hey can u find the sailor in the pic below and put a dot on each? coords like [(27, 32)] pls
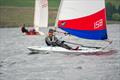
[(28, 32), (23, 29), (52, 40)]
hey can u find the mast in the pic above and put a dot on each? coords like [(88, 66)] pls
[(57, 18)]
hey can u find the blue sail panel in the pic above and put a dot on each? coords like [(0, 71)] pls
[(88, 34)]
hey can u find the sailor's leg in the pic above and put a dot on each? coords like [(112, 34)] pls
[(66, 46)]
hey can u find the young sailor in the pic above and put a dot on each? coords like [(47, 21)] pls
[(23, 29), (52, 40)]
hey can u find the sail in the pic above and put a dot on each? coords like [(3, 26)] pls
[(83, 18), (41, 14)]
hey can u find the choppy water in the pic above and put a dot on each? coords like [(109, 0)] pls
[(17, 64)]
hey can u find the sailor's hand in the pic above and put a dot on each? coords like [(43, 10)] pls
[(67, 33)]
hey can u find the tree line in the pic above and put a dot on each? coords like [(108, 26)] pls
[(112, 12)]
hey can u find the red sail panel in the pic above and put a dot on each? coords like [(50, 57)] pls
[(96, 21)]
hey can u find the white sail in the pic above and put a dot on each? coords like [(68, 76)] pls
[(71, 9), (83, 18), (40, 14)]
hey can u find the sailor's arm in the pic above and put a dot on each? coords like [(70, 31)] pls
[(47, 40)]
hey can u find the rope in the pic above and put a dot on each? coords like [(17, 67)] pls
[(110, 42), (82, 45), (66, 34)]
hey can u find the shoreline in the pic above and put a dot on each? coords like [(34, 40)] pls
[(113, 22), (16, 26)]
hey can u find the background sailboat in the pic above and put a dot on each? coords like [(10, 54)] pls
[(40, 15)]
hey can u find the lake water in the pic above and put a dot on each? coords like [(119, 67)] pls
[(16, 62)]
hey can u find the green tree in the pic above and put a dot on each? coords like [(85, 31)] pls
[(119, 9), (110, 10)]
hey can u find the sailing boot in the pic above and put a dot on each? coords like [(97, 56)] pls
[(77, 48)]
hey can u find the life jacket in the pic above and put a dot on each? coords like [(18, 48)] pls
[(51, 39)]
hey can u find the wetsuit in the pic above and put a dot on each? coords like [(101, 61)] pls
[(53, 41)]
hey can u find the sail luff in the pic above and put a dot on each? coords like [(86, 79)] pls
[(57, 18)]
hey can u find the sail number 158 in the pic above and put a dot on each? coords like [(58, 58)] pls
[(98, 24)]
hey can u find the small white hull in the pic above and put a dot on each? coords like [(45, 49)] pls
[(39, 49)]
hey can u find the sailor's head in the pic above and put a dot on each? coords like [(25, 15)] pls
[(51, 32)]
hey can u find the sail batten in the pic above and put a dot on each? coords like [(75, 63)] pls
[(86, 20)]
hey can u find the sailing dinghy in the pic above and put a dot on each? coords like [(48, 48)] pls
[(40, 15), (83, 19)]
